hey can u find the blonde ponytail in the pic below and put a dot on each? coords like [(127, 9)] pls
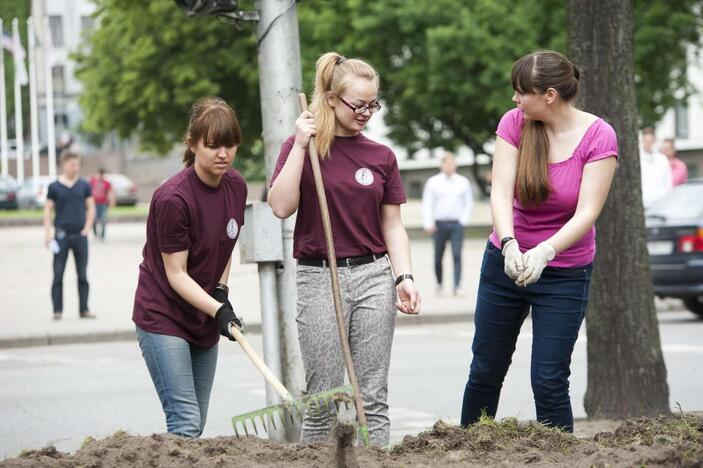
[(332, 72)]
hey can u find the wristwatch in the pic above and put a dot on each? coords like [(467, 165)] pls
[(223, 287), (403, 277), (504, 241)]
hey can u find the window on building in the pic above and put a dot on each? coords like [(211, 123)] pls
[(57, 75), (87, 23), (681, 119), (56, 28)]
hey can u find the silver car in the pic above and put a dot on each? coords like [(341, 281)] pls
[(32, 192), (123, 188)]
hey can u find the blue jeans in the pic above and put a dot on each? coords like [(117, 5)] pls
[(182, 374), (100, 220), (451, 231), (558, 301), (79, 245)]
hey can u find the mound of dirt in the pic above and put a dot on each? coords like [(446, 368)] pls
[(662, 441)]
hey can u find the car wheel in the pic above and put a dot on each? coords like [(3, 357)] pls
[(694, 304)]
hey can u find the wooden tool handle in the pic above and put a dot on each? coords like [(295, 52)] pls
[(260, 364), (332, 260)]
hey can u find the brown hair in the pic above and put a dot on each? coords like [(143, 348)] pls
[(68, 155), (332, 73), (536, 73), (213, 121)]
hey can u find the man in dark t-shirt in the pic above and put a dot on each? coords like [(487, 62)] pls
[(71, 198)]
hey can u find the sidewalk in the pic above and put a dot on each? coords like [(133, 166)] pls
[(113, 270)]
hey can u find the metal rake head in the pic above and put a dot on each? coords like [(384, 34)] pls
[(292, 412)]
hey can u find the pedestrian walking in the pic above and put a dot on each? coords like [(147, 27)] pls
[(69, 198), (655, 170), (447, 202), (364, 193), (552, 169), (181, 302), (679, 171), (104, 197)]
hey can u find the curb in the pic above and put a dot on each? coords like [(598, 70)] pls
[(130, 335)]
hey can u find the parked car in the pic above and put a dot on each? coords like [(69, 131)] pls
[(32, 193), (675, 244), (8, 193), (124, 189)]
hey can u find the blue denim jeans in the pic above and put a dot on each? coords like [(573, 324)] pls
[(182, 374), (558, 301), (100, 222), (451, 231)]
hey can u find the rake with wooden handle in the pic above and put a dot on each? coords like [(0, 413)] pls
[(291, 410), (332, 260)]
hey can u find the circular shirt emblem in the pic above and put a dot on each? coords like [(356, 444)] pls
[(232, 228), (364, 176)]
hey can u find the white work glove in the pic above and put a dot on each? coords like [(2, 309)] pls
[(513, 263), (535, 260)]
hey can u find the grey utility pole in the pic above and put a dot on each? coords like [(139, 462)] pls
[(280, 82)]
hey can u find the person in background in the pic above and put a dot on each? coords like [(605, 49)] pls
[(679, 171), (655, 169), (104, 197), (71, 198), (447, 201)]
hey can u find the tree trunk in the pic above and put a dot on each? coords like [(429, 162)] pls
[(626, 371)]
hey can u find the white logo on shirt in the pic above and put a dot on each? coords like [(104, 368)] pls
[(364, 176), (232, 228)]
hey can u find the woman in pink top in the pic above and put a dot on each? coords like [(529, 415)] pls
[(552, 169)]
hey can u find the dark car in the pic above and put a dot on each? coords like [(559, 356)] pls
[(675, 244), (8, 193)]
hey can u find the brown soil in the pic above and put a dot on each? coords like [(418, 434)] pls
[(663, 441)]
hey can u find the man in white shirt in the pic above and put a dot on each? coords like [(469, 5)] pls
[(656, 170), (447, 201)]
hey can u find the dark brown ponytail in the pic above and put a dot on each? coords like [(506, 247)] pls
[(536, 73)]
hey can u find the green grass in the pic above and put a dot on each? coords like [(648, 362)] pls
[(139, 209)]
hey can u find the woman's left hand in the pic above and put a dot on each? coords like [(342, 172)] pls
[(408, 297)]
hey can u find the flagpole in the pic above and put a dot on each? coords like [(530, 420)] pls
[(50, 130), (19, 131), (3, 110), (33, 118)]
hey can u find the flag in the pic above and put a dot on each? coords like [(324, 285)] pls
[(19, 56)]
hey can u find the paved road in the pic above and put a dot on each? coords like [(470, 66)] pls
[(61, 394)]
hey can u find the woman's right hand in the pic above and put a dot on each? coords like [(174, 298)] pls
[(304, 129), (514, 264)]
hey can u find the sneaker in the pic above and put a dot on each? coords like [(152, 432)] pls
[(57, 315), (458, 291), (438, 291), (88, 315)]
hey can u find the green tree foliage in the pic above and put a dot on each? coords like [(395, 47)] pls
[(9, 10), (445, 64), (147, 62)]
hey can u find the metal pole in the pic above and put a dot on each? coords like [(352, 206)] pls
[(279, 82), (19, 131), (33, 118), (49, 86), (270, 335), (3, 111)]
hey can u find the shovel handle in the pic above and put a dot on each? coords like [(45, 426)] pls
[(260, 364)]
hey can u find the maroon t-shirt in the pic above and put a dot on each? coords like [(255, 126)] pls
[(187, 214), (360, 176)]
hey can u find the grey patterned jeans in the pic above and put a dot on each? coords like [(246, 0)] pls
[(368, 298)]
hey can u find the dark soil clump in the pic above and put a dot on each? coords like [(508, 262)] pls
[(653, 442)]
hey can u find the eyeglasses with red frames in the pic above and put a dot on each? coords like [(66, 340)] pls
[(372, 108)]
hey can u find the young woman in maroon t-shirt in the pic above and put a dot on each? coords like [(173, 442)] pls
[(181, 300), (364, 193)]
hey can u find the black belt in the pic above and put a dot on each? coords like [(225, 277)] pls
[(342, 262)]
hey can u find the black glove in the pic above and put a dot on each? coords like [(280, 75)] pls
[(220, 295), (225, 316)]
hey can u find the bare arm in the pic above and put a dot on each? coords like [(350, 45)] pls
[(175, 266), (284, 195), (225, 274), (48, 213), (503, 187), (89, 216), (398, 244), (595, 184)]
